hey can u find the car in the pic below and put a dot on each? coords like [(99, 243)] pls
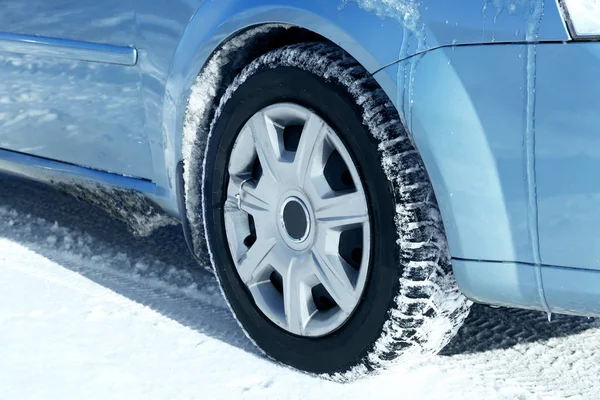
[(356, 172)]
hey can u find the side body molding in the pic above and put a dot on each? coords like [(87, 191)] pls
[(39, 46)]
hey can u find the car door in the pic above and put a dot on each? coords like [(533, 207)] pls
[(70, 86)]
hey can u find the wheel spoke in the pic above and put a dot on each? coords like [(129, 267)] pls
[(311, 140), (331, 273), (255, 260), (295, 298), (342, 211), (305, 286), (267, 144)]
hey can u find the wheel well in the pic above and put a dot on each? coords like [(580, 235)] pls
[(270, 38), (219, 71)]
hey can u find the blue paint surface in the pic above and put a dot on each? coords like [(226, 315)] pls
[(500, 102)]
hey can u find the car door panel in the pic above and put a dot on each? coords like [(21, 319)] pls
[(108, 21), (70, 89)]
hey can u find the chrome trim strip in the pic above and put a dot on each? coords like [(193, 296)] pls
[(40, 46), (46, 170)]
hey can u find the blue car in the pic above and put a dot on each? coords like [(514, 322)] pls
[(355, 171)]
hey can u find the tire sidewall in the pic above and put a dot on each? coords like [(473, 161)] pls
[(347, 346)]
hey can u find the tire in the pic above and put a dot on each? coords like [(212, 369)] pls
[(409, 302)]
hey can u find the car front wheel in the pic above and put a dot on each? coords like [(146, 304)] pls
[(321, 221)]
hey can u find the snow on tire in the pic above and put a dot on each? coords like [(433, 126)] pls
[(409, 302)]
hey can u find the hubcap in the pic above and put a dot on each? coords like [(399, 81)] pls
[(297, 220)]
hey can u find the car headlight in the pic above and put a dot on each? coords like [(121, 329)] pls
[(583, 17)]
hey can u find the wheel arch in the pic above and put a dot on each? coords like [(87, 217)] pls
[(216, 25), (218, 71), (216, 52)]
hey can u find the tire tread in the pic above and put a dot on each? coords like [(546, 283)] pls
[(427, 295)]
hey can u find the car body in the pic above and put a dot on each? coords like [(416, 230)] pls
[(500, 98)]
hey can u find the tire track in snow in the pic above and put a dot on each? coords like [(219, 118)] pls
[(499, 353), (157, 272)]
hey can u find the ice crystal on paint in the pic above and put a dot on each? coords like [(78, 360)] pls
[(405, 11), (408, 13)]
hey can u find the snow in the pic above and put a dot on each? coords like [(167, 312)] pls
[(585, 16), (414, 41), (198, 116), (88, 311), (141, 215), (105, 315), (405, 11)]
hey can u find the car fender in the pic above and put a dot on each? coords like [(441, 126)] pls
[(216, 22)]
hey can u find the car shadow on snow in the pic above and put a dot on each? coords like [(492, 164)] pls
[(156, 271), (172, 283)]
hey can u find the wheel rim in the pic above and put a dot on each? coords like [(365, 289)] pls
[(297, 220)]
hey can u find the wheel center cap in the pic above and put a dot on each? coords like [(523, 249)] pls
[(295, 218)]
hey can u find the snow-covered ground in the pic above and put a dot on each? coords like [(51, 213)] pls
[(89, 312)]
